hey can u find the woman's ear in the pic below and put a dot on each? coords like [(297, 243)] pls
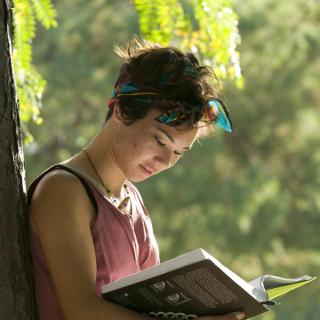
[(117, 114)]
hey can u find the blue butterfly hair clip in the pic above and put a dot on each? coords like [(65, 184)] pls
[(218, 112)]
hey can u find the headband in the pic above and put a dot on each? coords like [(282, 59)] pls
[(214, 110)]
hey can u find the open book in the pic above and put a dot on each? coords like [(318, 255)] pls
[(196, 284)]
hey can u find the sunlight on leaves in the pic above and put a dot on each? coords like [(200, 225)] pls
[(207, 28), (30, 84)]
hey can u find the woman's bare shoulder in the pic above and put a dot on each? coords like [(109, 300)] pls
[(55, 183), (59, 195)]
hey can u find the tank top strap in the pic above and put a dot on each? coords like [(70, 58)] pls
[(84, 182)]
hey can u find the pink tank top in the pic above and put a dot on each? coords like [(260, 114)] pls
[(123, 245)]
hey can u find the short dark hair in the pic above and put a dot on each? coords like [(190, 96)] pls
[(178, 78)]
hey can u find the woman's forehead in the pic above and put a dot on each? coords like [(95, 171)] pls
[(174, 134)]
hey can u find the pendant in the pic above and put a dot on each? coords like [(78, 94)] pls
[(124, 203)]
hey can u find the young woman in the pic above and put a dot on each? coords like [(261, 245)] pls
[(88, 224)]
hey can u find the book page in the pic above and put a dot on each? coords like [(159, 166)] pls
[(275, 286), (279, 291)]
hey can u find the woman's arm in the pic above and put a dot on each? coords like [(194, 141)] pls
[(60, 214)]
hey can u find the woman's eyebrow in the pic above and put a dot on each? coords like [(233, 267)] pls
[(170, 137), (167, 134)]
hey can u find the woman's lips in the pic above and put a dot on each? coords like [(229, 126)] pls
[(147, 170)]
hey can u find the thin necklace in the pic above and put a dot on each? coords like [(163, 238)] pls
[(122, 206)]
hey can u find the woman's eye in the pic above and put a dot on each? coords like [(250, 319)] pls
[(159, 142)]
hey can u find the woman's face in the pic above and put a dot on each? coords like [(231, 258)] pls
[(148, 147)]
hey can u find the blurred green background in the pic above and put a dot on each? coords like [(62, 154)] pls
[(252, 199)]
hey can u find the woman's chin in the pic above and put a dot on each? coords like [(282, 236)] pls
[(137, 179)]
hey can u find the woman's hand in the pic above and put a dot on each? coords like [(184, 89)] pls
[(229, 316)]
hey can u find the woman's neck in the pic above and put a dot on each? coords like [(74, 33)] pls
[(102, 164)]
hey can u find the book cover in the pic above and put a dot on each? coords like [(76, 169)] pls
[(195, 284)]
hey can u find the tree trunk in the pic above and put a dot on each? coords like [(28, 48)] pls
[(16, 286)]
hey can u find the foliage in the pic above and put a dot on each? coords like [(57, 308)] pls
[(208, 28), (80, 67), (211, 32), (30, 84)]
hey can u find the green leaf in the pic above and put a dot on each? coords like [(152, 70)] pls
[(45, 12)]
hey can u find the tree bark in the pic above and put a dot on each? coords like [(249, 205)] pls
[(16, 285)]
